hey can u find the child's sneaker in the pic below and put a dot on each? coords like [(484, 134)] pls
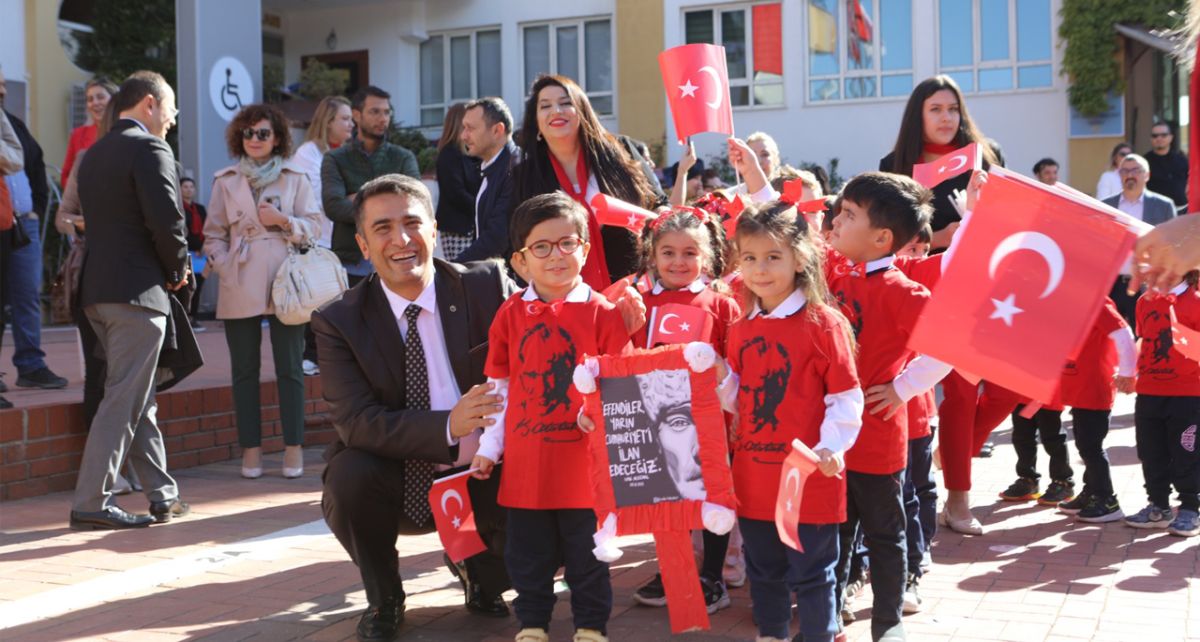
[(912, 598), (926, 561), (1151, 517), (1078, 503), (1186, 523), (589, 635), (652, 593), (1022, 490), (1058, 491), (1100, 510), (715, 595)]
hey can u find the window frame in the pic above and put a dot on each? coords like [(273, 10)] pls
[(978, 64), (845, 73), (748, 81), (447, 70), (579, 23)]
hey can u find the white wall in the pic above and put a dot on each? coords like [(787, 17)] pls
[(1028, 125), (12, 39), (392, 31)]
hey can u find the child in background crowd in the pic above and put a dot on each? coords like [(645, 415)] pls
[(1167, 411), (683, 252)]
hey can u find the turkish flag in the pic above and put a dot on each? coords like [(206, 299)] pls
[(677, 323), (697, 85), (1030, 272), (957, 162), (455, 519), (1185, 339), (800, 463), (618, 213)]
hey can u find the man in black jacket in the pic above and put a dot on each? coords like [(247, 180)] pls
[(137, 250), (402, 356), (487, 135)]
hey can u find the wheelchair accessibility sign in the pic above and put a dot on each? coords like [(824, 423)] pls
[(230, 87)]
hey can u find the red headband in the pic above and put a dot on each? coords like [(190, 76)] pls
[(699, 214)]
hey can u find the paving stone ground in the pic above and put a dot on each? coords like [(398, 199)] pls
[(255, 561)]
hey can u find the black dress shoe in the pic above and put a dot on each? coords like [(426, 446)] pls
[(459, 571), (5, 404), (41, 378), (380, 623), (481, 604), (165, 510), (111, 518)]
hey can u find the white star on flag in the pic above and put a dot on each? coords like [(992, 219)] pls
[(632, 222), (688, 90), (684, 327), (1006, 309), (788, 505), (457, 522)]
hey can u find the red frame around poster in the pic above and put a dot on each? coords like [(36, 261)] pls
[(684, 514)]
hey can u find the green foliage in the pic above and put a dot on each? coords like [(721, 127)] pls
[(318, 80), (1090, 59), (427, 160), (273, 81), (409, 138), (129, 37)]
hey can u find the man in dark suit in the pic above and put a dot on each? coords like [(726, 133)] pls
[(137, 250), (487, 135), (1140, 203), (402, 356)]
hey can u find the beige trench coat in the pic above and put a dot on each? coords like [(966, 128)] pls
[(244, 253)]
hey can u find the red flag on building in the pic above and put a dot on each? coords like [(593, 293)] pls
[(800, 463), (697, 85), (455, 519), (618, 213), (957, 162), (1025, 284), (677, 323)]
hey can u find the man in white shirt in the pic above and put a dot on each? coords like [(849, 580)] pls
[(1144, 205), (487, 135)]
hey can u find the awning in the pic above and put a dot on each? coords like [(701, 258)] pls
[(1162, 40)]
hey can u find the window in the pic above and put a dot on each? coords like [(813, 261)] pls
[(1013, 52), (581, 50), (859, 49), (458, 67), (753, 41)]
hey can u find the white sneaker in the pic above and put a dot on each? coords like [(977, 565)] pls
[(912, 598), (310, 368)]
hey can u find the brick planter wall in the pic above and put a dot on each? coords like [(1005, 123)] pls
[(42, 446)]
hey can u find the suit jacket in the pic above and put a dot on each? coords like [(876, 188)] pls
[(458, 181), (495, 206), (137, 240), (1156, 208), (361, 354)]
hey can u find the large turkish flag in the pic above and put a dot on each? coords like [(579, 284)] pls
[(1025, 284), (697, 85)]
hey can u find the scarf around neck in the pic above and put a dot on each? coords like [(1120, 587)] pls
[(260, 175)]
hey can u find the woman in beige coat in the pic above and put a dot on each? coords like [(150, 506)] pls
[(260, 209)]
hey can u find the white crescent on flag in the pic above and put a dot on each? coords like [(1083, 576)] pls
[(662, 326), (448, 495), (716, 78), (787, 486), (960, 159), (1037, 242)]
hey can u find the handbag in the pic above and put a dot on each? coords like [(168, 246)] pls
[(64, 292), (310, 277)]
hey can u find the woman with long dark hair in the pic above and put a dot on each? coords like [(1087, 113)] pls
[(458, 180), (936, 123), (564, 147)]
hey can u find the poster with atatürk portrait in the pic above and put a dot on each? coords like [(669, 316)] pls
[(650, 434)]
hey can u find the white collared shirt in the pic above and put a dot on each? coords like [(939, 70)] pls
[(880, 264), (578, 294), (1136, 209), (483, 186), (1180, 289), (791, 305), (695, 287), (443, 388)]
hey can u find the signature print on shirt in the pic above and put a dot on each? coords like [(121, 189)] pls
[(548, 358)]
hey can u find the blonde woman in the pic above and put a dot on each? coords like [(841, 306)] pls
[(331, 126)]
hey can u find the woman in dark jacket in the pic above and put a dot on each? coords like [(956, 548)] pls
[(458, 179)]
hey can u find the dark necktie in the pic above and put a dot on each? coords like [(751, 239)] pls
[(418, 474)]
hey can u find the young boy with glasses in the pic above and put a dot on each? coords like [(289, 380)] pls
[(537, 338)]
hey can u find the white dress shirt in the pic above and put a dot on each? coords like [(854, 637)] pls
[(1135, 209), (443, 388), (483, 186)]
